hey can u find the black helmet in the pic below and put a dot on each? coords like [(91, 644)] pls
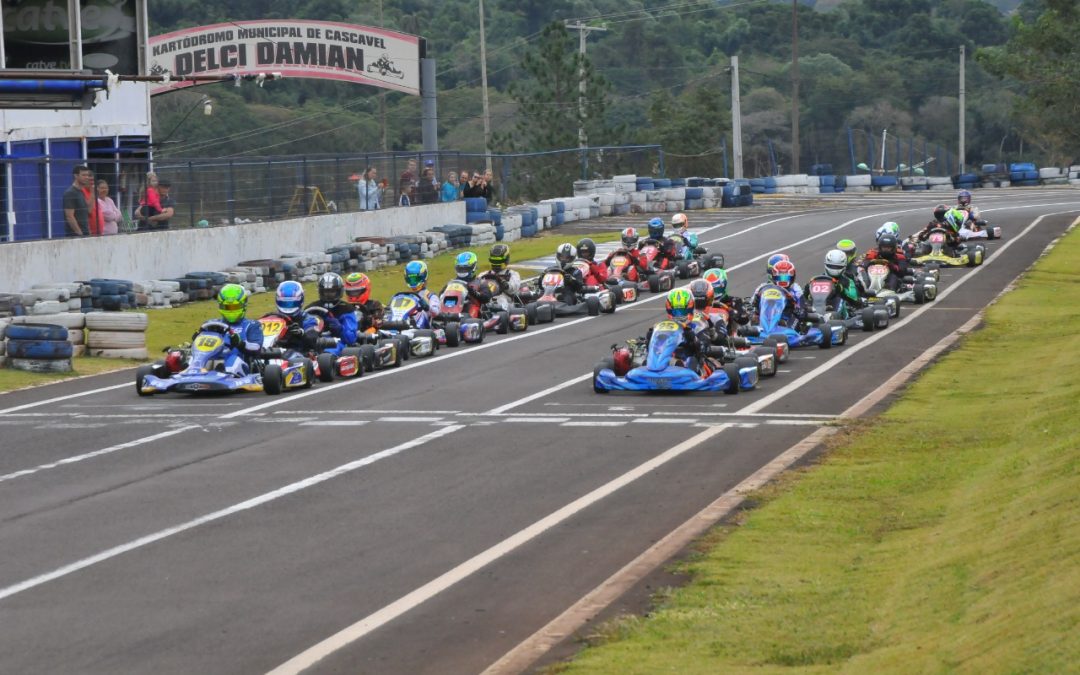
[(499, 257), (331, 287), (886, 246), (939, 212), (586, 249), (702, 292)]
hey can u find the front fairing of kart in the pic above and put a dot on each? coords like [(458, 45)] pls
[(670, 378), (202, 382)]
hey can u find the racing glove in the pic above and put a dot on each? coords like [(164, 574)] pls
[(234, 340), (333, 325)]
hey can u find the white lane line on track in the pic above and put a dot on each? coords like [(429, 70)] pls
[(223, 513), (417, 597), (331, 423), (592, 424), (62, 398), (96, 453)]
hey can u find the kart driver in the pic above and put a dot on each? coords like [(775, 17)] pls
[(680, 309), (668, 249), (973, 227), (300, 335), (586, 250), (735, 307), (888, 250), (416, 276), (358, 294), (630, 249), (244, 336), (341, 321), (499, 259), (573, 283), (783, 276), (836, 263)]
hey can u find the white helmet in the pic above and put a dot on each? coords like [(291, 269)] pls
[(679, 221), (835, 262), (888, 228), (565, 254)]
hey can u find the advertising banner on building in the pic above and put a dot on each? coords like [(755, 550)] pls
[(36, 35), (294, 48)]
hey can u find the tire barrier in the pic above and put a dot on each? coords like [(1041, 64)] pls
[(120, 335), (38, 347)]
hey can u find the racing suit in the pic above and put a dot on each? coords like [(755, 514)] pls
[(245, 342), (509, 280), (693, 349), (597, 271), (844, 287), (368, 315), (341, 321), (737, 314), (636, 260)]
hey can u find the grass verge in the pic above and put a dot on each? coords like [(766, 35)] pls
[(942, 536), (173, 326)]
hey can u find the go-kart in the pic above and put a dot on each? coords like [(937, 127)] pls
[(660, 365), (623, 273), (769, 356), (936, 251), (689, 250), (843, 314), (404, 319), (553, 293), (515, 300), (979, 224), (879, 279), (650, 255), (770, 329), (618, 293), (198, 368), (462, 319), (330, 355)]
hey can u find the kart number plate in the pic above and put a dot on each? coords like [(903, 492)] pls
[(619, 261), (666, 326), (207, 343), (817, 287), (772, 294), (403, 303), (937, 238), (878, 270), (456, 287), (272, 327), (552, 280)]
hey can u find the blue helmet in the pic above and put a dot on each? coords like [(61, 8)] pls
[(289, 298), (465, 266), (416, 275), (656, 228), (773, 259)]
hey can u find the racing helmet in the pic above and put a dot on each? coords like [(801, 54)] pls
[(679, 221), (784, 274), (717, 278), (703, 293), (773, 259), (499, 257), (963, 198), (849, 249), (835, 263), (939, 212), (886, 246), (630, 237), (656, 229), (331, 287), (955, 218), (465, 266), (357, 288), (679, 305), (232, 302), (416, 275), (586, 249), (289, 298), (565, 254), (888, 228)]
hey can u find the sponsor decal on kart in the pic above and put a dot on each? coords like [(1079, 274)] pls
[(772, 294), (207, 343)]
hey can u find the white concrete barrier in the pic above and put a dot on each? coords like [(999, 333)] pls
[(174, 253)]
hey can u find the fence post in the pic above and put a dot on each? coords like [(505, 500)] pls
[(723, 153), (304, 184), (395, 184), (270, 187), (191, 202), (232, 194), (337, 180), (660, 153)]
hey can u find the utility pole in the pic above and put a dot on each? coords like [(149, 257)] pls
[(795, 86), (583, 34), (963, 95), (484, 89), (382, 95), (736, 120)]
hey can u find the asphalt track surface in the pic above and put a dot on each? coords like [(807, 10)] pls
[(431, 517)]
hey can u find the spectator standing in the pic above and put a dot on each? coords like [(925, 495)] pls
[(450, 188), (463, 183), (407, 184), (110, 213), (428, 191), (369, 190), (168, 207), (79, 203), (488, 187), (473, 190)]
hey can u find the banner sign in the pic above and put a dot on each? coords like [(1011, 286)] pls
[(36, 35), (294, 48)]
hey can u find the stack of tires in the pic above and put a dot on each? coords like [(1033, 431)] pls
[(968, 181), (644, 183), (38, 347), (111, 295), (694, 198), (116, 336), (476, 210), (828, 183), (1024, 174)]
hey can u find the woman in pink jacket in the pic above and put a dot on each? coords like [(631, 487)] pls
[(110, 214)]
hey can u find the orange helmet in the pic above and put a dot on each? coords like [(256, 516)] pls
[(357, 288)]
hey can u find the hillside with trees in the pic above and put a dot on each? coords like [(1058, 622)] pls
[(659, 75)]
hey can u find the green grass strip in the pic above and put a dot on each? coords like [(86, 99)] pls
[(942, 536)]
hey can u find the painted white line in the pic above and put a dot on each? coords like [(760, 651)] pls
[(796, 423), (665, 420), (369, 411), (539, 394), (63, 398), (552, 420), (97, 453), (334, 423), (742, 414), (592, 424), (223, 513), (392, 418), (352, 633)]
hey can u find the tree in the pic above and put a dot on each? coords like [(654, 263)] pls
[(1044, 55)]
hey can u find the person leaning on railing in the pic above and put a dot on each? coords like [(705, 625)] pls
[(368, 187)]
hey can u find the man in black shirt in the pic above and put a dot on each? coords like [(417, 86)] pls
[(168, 207), (77, 202)]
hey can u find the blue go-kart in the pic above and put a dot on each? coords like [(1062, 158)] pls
[(652, 367), (770, 330)]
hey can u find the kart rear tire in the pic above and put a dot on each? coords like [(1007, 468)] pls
[(867, 317), (404, 347), (309, 373), (326, 367), (367, 357), (531, 315), (732, 371), (683, 269), (453, 333), (607, 363), (615, 297), (140, 375), (715, 260), (920, 294), (273, 379), (545, 313), (592, 306), (502, 327), (826, 336), (654, 283)]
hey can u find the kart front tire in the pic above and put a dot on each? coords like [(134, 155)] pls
[(453, 334), (654, 283), (273, 379), (592, 306), (732, 371), (826, 336), (607, 363), (140, 375), (309, 373), (367, 357), (531, 314), (502, 327), (326, 367)]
